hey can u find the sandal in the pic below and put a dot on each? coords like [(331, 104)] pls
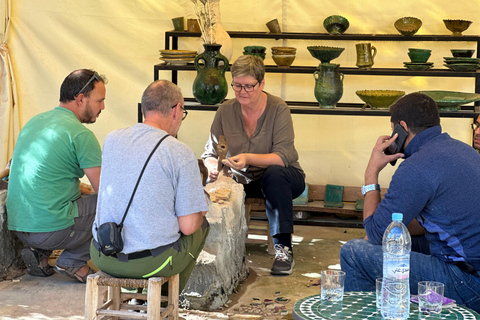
[(33, 259), (72, 272)]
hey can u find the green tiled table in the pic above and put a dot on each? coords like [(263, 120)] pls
[(362, 305)]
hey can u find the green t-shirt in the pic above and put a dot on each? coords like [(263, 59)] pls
[(51, 152)]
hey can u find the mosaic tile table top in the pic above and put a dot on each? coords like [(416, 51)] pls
[(362, 305)]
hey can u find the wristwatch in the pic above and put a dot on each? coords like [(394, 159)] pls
[(370, 187)]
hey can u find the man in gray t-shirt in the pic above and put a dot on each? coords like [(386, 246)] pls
[(165, 227)]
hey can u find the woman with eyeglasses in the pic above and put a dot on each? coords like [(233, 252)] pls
[(258, 130)]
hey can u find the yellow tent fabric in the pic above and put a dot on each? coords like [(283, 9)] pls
[(9, 109)]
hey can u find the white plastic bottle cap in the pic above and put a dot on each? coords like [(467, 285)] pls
[(397, 216)]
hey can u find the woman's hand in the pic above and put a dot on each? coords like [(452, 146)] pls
[(237, 162), (211, 164)]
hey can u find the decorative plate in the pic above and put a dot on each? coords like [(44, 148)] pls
[(451, 100), (172, 52), (462, 66), (178, 61)]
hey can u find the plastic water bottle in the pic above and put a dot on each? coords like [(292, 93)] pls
[(396, 246)]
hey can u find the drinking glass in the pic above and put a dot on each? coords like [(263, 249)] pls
[(430, 296), (333, 283)]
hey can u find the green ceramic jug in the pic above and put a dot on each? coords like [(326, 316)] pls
[(210, 86), (328, 85)]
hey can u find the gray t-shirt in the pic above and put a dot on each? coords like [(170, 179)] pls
[(170, 186), (274, 134)]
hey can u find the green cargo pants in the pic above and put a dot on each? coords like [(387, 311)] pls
[(172, 261)]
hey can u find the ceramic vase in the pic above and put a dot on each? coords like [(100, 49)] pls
[(328, 85), (210, 85), (215, 33)]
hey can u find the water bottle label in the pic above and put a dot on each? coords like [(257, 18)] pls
[(400, 272)]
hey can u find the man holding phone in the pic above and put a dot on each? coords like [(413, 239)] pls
[(435, 188)]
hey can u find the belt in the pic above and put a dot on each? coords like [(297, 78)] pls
[(142, 254)]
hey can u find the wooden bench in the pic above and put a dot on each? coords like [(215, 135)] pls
[(346, 216)]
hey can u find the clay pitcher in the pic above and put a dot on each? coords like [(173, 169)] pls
[(328, 85), (210, 86), (365, 54)]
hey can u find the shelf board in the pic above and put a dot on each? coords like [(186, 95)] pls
[(326, 36), (346, 109), (345, 70)]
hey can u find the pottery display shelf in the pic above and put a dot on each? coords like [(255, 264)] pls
[(358, 305), (311, 107)]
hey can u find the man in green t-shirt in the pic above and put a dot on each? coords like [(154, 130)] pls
[(45, 206)]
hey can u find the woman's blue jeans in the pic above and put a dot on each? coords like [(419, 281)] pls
[(363, 263)]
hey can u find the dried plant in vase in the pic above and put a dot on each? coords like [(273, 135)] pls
[(207, 13)]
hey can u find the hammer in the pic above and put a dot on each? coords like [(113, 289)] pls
[(222, 149)]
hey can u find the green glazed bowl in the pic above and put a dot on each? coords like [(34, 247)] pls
[(408, 26), (261, 55), (457, 26), (380, 99), (255, 49), (325, 54), (336, 24), (419, 56), (451, 100), (462, 53)]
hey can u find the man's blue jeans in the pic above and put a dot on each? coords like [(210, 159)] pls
[(363, 263)]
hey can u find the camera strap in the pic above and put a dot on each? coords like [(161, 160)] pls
[(138, 181)]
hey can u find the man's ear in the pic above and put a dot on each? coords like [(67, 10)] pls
[(404, 125), (80, 99)]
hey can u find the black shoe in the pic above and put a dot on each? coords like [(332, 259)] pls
[(283, 264), (33, 260)]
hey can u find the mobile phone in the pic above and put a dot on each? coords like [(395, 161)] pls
[(397, 145)]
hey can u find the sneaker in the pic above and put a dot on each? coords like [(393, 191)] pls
[(283, 263), (36, 262)]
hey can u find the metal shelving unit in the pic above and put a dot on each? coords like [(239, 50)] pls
[(308, 107)]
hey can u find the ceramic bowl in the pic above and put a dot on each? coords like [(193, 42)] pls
[(284, 60), (325, 54), (462, 53), (261, 55), (418, 66), (408, 26), (457, 26), (419, 50), (451, 100), (462, 66), (336, 24), (255, 49), (380, 99), (419, 56), (284, 50)]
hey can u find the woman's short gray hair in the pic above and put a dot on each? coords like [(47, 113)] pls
[(248, 65)]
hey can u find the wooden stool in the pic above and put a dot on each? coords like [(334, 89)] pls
[(258, 227), (116, 300)]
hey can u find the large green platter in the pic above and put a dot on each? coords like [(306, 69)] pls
[(451, 100)]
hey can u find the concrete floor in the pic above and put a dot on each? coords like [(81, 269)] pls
[(315, 249)]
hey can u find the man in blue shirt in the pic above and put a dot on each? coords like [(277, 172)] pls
[(437, 189)]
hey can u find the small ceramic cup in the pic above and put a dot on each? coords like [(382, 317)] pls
[(274, 26), (178, 24), (193, 26)]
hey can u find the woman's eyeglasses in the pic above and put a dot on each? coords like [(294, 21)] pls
[(237, 87)]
